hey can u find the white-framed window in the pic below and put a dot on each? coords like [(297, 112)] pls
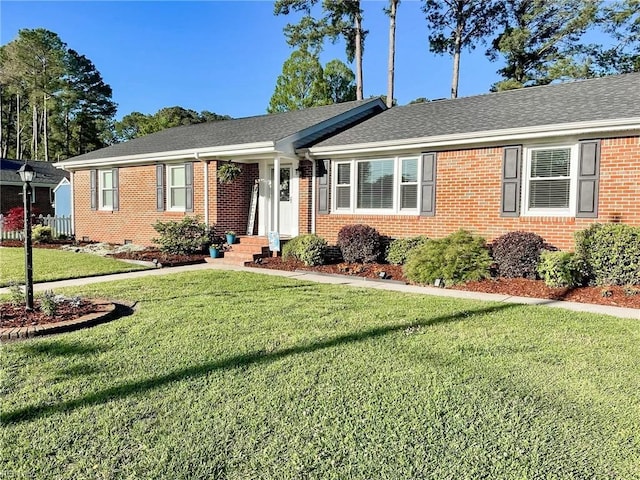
[(409, 183), (106, 186), (376, 186), (177, 187), (550, 180)]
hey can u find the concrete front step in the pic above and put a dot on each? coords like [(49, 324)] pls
[(245, 249)]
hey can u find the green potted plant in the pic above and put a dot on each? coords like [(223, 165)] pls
[(216, 243), (231, 236), (228, 172)]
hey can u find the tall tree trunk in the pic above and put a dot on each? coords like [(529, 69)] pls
[(45, 128), (4, 140), (393, 6), (358, 55), (18, 129), (34, 133), (457, 48)]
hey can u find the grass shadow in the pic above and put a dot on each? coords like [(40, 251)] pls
[(61, 348), (237, 361)]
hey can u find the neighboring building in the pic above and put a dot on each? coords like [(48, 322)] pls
[(550, 159), (47, 178), (62, 198)]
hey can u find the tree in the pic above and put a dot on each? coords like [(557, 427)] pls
[(339, 79), (137, 124), (621, 20), (458, 24), (300, 85), (33, 65), (63, 92), (342, 18), (392, 12), (540, 41)]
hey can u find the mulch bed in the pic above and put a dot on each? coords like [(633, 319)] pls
[(165, 259), (520, 287), (53, 244), (17, 316)]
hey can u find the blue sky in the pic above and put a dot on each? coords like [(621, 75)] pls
[(225, 56)]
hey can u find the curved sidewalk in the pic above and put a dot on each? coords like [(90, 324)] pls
[(622, 312)]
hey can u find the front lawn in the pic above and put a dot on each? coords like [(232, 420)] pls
[(238, 375), (51, 264)]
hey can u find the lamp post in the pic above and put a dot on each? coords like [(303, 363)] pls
[(27, 174)]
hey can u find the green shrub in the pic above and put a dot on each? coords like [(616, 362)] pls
[(400, 247), (359, 243), (184, 237), (610, 253), (41, 234), (48, 304), (517, 254), (309, 249), (559, 269), (460, 257)]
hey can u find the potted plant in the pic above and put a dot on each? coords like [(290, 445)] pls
[(231, 236), (216, 249), (228, 172)]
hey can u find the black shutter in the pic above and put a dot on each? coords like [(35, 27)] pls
[(428, 185), (188, 173), (323, 185), (116, 190), (93, 186), (511, 174), (160, 188), (588, 178)]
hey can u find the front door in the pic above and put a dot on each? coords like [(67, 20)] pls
[(288, 214)]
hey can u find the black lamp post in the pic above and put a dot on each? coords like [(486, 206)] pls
[(27, 174)]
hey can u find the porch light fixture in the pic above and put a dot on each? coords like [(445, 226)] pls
[(27, 175)]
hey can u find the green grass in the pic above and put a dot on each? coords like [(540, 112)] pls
[(50, 264), (237, 375)]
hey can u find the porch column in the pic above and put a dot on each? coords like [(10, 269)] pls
[(276, 195)]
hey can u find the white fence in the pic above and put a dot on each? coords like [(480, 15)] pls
[(60, 226)]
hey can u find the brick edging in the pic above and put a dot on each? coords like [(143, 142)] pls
[(105, 310)]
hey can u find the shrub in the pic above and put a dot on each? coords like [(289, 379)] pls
[(359, 243), (559, 269), (14, 219), (309, 249), (460, 257), (184, 237), (611, 253), (48, 304), (399, 248), (517, 254), (41, 234)]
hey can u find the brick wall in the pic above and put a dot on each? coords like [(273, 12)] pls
[(468, 196), (228, 204)]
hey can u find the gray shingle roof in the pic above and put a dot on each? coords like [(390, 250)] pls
[(612, 97), (45, 171), (240, 131)]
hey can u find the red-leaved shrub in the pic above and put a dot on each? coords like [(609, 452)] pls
[(359, 243), (14, 219)]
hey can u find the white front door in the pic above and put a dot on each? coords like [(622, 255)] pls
[(288, 205)]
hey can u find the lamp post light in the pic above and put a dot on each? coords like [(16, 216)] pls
[(27, 174)]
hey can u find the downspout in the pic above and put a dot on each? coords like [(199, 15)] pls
[(276, 194)]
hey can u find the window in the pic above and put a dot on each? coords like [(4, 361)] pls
[(343, 186), (177, 187), (107, 189), (550, 181), (409, 183), (386, 185)]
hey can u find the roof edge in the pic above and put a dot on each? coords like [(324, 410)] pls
[(486, 136)]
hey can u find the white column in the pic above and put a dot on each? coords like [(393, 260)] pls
[(206, 191), (275, 194)]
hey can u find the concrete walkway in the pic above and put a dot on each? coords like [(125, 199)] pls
[(350, 281)]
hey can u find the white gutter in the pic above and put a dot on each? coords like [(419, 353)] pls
[(258, 148), (488, 136)]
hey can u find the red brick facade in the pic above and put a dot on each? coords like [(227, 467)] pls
[(468, 196), (228, 204)]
